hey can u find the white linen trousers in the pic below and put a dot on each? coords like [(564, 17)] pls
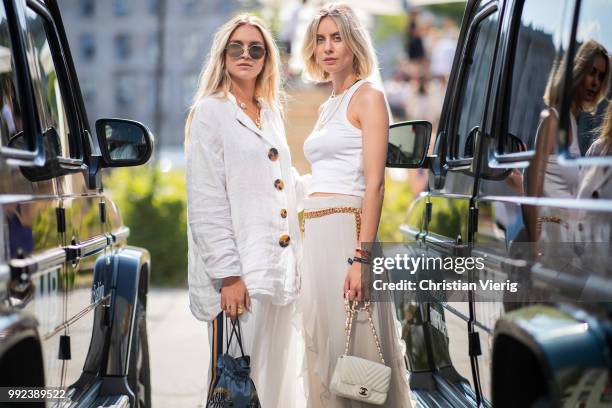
[(271, 337), (328, 242)]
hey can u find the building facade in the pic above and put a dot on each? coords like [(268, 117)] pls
[(115, 45)]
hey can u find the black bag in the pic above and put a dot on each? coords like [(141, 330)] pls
[(230, 383)]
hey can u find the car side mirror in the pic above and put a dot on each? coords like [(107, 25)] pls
[(408, 144), (123, 142)]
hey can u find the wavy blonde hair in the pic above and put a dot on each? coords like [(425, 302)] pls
[(351, 31), (604, 141), (215, 78), (583, 63)]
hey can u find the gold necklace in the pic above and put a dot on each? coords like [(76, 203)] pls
[(244, 107), (325, 115), (328, 113)]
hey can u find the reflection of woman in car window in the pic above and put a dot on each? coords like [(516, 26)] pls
[(602, 146), (596, 183), (590, 80), (546, 177)]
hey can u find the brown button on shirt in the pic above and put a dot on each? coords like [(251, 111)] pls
[(273, 154), (279, 184), (284, 240)]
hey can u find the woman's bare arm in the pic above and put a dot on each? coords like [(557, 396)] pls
[(368, 111)]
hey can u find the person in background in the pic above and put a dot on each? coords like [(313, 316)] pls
[(289, 23), (415, 50), (443, 53)]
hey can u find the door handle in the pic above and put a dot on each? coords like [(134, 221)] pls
[(411, 233), (22, 269), (121, 235), (87, 247), (452, 247)]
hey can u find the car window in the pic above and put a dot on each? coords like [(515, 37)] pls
[(477, 62), (593, 45), (10, 114), (49, 101), (538, 49)]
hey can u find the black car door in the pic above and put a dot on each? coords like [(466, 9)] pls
[(450, 203), (83, 236)]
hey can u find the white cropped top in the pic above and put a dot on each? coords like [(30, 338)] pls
[(335, 149)]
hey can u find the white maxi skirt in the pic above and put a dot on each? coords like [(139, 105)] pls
[(271, 337), (328, 242)]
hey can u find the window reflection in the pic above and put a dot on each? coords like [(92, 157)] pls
[(474, 92), (46, 85), (123, 46), (10, 113), (538, 46), (594, 25)]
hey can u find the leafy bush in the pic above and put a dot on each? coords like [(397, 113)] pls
[(395, 210), (153, 206)]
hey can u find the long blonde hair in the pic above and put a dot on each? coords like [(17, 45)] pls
[(215, 78), (605, 133), (351, 31), (583, 63)]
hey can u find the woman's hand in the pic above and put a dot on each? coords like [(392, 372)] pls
[(352, 283), (234, 296)]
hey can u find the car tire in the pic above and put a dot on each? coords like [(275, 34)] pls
[(139, 376)]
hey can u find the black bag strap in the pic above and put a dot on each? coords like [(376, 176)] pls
[(235, 329), (216, 346)]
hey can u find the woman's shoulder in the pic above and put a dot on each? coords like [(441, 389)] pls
[(368, 99), (208, 107), (369, 93), (597, 148)]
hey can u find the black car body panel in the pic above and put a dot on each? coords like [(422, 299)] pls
[(68, 279), (493, 192)]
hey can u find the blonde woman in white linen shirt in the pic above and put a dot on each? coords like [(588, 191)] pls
[(347, 150), (242, 198)]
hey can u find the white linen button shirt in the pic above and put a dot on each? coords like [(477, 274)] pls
[(234, 209)]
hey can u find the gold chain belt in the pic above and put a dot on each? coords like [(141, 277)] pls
[(553, 219), (334, 210)]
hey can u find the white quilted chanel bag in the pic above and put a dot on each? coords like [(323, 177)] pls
[(357, 378)]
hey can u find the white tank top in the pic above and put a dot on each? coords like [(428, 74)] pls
[(335, 149)]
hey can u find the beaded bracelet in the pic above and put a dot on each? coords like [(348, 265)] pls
[(364, 261), (364, 253)]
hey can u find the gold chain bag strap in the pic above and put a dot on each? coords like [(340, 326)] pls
[(357, 378)]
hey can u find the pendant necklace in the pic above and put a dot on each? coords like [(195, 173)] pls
[(328, 112), (243, 106)]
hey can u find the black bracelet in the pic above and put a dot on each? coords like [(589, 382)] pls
[(364, 261)]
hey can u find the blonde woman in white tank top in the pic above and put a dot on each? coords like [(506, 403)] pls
[(347, 150)]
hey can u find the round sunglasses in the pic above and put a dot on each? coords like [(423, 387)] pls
[(235, 50)]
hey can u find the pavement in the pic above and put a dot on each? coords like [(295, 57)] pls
[(178, 349)]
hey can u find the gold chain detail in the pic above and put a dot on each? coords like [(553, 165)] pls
[(553, 219), (334, 210), (351, 311)]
